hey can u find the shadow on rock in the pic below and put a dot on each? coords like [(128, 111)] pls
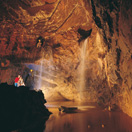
[(22, 109)]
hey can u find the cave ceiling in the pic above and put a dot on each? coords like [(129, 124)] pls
[(58, 22)]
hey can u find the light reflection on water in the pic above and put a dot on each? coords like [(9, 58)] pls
[(89, 118)]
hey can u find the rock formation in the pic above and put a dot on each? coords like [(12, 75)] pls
[(21, 108), (63, 27)]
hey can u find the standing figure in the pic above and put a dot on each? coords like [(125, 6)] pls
[(39, 44), (17, 80), (21, 82)]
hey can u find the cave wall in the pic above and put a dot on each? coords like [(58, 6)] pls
[(126, 55), (57, 22), (113, 19), (64, 26)]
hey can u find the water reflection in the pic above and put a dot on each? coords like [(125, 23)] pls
[(87, 119)]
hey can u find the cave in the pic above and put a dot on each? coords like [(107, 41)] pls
[(72, 50)]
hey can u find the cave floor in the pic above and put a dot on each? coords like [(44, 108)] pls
[(88, 118)]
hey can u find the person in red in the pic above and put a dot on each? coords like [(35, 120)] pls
[(16, 80)]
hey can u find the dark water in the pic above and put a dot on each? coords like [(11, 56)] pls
[(89, 118)]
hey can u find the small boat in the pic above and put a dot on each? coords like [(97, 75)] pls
[(68, 109)]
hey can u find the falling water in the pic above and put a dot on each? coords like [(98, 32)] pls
[(45, 69), (40, 75), (82, 67)]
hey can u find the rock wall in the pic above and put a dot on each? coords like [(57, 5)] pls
[(63, 27), (22, 109), (113, 19)]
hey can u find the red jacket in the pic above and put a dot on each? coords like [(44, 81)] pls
[(16, 79)]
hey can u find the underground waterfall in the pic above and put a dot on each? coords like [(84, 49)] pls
[(82, 84)]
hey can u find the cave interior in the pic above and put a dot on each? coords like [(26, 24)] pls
[(72, 50)]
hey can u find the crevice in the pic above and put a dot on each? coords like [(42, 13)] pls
[(117, 28), (54, 10), (118, 51), (77, 65), (98, 22), (55, 46), (9, 8), (26, 3), (84, 34), (106, 41), (119, 77), (67, 18), (96, 18), (107, 18), (15, 47), (93, 8)]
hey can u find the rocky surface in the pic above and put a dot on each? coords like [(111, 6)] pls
[(114, 24), (63, 28), (21, 108)]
